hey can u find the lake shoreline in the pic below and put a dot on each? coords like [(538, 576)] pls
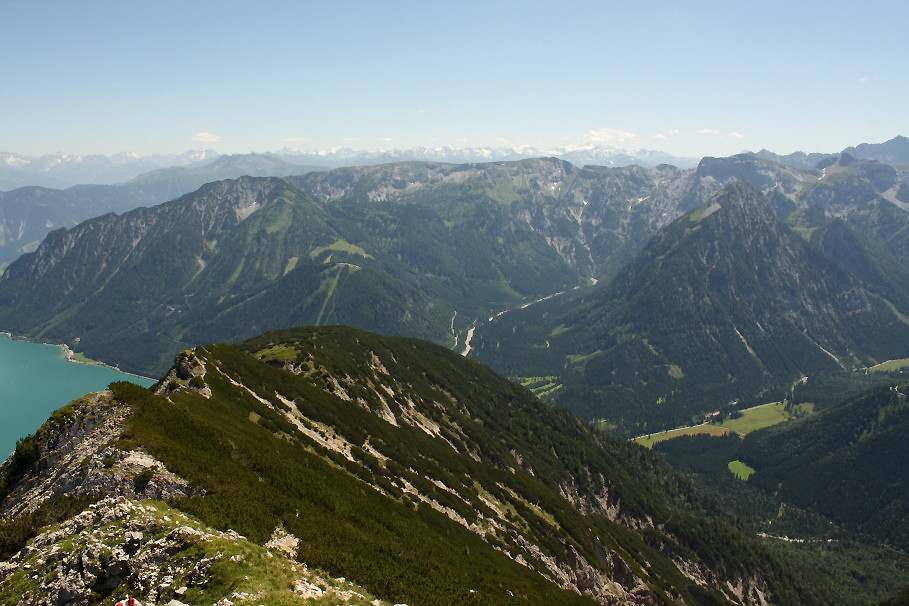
[(36, 379), (70, 355)]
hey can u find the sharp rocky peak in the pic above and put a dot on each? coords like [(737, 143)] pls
[(738, 208)]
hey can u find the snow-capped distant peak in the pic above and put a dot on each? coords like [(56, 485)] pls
[(14, 161), (579, 155)]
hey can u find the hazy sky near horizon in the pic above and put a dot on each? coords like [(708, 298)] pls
[(689, 78)]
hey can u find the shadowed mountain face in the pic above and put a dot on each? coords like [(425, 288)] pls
[(28, 214), (894, 150), (725, 303), (395, 463)]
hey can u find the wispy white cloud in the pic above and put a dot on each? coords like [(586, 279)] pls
[(660, 136), (708, 131), (386, 139), (421, 111), (675, 131), (294, 139), (206, 138), (736, 135), (609, 135), (864, 79)]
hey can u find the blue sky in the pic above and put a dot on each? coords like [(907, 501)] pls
[(690, 78)]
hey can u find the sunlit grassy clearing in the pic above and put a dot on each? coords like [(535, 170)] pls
[(890, 365), (750, 420), (81, 357), (340, 246), (652, 439), (758, 417), (740, 470)]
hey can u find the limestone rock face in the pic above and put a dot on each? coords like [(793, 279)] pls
[(81, 454), (149, 551)]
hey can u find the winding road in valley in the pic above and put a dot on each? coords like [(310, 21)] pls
[(470, 332)]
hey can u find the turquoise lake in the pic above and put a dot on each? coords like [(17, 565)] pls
[(36, 380)]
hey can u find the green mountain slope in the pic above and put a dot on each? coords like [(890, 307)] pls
[(870, 261), (829, 493), (237, 258), (725, 304), (848, 463), (398, 464), (595, 217)]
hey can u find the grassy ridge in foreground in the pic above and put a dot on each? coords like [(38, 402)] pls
[(257, 482), (354, 519)]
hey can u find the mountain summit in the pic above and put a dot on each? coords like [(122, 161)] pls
[(894, 150)]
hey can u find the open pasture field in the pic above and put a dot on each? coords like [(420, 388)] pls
[(890, 365), (751, 419), (758, 417), (651, 439), (740, 470)]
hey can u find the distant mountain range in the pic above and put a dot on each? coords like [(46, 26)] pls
[(32, 208), (63, 170), (580, 156), (35, 203), (444, 251), (894, 151)]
